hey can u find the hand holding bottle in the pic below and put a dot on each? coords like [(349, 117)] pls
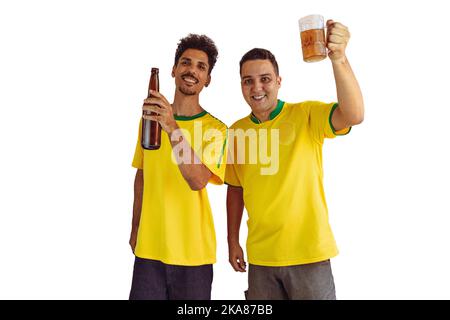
[(164, 113)]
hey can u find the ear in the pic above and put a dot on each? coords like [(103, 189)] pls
[(208, 81), (279, 81), (173, 72)]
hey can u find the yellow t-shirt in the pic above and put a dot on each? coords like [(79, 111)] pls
[(176, 225), (282, 184)]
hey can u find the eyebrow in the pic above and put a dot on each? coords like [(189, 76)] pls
[(261, 75)]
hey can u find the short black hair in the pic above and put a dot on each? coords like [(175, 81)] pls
[(199, 42), (259, 54)]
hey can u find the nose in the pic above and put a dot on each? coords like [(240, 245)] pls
[(257, 86), (191, 70)]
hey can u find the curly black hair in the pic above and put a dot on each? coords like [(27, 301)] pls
[(199, 42), (259, 54)]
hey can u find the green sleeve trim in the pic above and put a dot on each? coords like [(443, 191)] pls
[(331, 123), (223, 150)]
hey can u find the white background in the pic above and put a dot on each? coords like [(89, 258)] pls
[(73, 75)]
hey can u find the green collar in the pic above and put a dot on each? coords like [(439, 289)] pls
[(272, 115), (187, 118)]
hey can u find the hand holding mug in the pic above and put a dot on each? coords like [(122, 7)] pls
[(337, 40)]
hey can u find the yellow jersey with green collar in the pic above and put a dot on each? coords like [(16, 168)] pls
[(282, 180), (176, 224)]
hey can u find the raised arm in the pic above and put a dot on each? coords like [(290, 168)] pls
[(351, 105)]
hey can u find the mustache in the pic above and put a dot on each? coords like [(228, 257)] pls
[(188, 74)]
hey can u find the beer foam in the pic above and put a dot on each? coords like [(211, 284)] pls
[(313, 21)]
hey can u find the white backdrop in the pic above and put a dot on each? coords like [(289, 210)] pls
[(73, 75)]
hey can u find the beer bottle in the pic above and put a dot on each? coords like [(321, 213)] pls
[(151, 130)]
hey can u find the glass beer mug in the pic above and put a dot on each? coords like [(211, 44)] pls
[(312, 34)]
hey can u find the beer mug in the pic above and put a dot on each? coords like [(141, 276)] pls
[(312, 34)]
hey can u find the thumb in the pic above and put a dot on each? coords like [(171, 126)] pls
[(242, 263)]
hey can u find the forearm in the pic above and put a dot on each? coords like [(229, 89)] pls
[(137, 204), (192, 169), (349, 94), (235, 208)]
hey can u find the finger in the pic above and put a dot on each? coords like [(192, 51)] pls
[(333, 47), (157, 95), (242, 263), (239, 268), (329, 23), (336, 39), (337, 28), (339, 25), (234, 264), (338, 32), (153, 118), (162, 103), (160, 96), (153, 101), (153, 108)]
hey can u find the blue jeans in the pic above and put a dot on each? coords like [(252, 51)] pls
[(154, 280)]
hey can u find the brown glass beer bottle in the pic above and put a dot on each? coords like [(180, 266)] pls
[(151, 130)]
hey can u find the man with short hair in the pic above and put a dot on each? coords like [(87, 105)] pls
[(172, 234), (289, 240)]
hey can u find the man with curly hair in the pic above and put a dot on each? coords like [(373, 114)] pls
[(172, 234)]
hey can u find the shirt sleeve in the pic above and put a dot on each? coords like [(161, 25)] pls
[(320, 120), (231, 177), (214, 153), (138, 159)]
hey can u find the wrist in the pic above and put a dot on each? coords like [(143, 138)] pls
[(233, 240), (172, 128), (339, 61)]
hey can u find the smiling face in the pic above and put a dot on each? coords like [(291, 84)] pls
[(260, 85), (191, 72)]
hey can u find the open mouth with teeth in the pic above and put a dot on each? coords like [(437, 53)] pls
[(189, 79), (259, 97)]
